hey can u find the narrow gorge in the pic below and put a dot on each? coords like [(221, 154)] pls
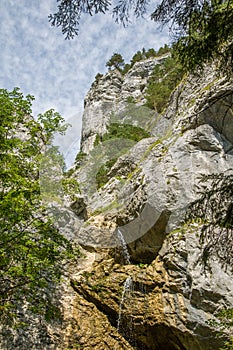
[(150, 277)]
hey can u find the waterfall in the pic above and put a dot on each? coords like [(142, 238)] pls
[(128, 287), (127, 290), (124, 246)]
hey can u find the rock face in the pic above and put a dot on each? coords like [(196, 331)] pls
[(109, 94), (173, 299), (170, 301), (142, 284)]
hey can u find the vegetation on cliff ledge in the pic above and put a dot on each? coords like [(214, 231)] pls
[(202, 30), (163, 80)]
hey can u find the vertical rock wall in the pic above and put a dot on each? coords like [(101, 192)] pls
[(109, 94)]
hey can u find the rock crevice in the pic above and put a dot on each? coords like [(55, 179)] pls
[(174, 301)]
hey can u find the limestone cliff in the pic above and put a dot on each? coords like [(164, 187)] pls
[(141, 283), (109, 94), (173, 302)]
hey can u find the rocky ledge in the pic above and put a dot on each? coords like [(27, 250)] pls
[(173, 301)]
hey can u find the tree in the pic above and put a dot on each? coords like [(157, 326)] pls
[(98, 77), (151, 53), (162, 82), (137, 57), (31, 248), (70, 11), (202, 30), (163, 50), (116, 61)]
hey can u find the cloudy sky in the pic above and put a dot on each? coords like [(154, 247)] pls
[(36, 57)]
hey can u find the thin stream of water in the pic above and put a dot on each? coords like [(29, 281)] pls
[(124, 246), (125, 295)]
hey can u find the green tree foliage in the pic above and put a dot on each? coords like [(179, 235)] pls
[(98, 77), (142, 55), (228, 345), (224, 326), (31, 249), (102, 175), (122, 131), (138, 56), (52, 122), (150, 53), (80, 157), (126, 68), (163, 50), (162, 82), (115, 62), (202, 30)]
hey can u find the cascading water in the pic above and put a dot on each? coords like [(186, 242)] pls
[(127, 290), (128, 287), (124, 246)]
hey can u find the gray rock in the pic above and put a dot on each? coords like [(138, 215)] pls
[(148, 193), (109, 95)]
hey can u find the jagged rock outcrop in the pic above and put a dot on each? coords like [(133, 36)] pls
[(171, 301), (109, 94), (149, 190), (163, 171)]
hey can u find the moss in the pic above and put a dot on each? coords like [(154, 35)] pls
[(142, 266), (87, 274), (97, 287), (136, 171), (119, 178), (191, 102), (181, 231), (97, 140), (149, 149), (102, 175), (112, 205), (130, 99), (163, 151), (191, 226), (79, 159), (156, 143), (159, 142), (209, 86)]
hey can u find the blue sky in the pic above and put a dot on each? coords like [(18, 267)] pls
[(36, 57)]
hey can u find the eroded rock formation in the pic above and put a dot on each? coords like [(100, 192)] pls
[(149, 190), (174, 301)]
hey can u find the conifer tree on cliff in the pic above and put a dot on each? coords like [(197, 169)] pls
[(116, 61), (201, 30)]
